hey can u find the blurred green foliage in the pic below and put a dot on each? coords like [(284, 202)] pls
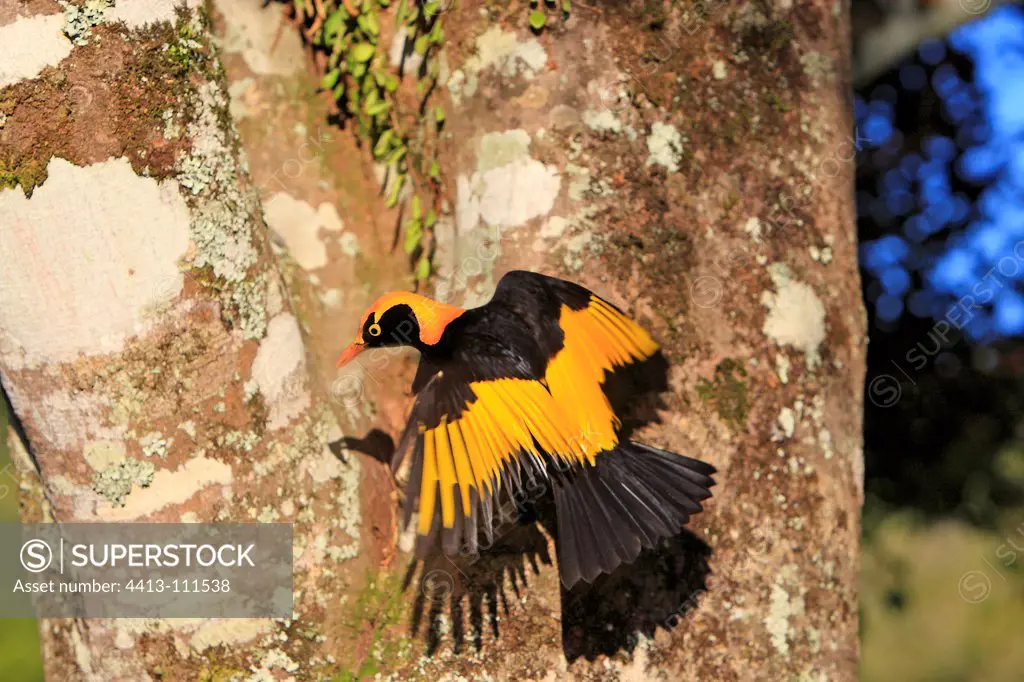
[(942, 601), (19, 639)]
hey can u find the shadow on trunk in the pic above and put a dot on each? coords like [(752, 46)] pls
[(608, 616), (656, 590)]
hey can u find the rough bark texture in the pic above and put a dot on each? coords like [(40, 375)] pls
[(693, 164), (146, 341)]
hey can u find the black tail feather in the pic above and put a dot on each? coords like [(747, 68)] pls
[(634, 496)]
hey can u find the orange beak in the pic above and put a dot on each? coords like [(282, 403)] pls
[(353, 350)]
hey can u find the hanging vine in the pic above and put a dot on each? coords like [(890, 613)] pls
[(367, 90), (366, 87)]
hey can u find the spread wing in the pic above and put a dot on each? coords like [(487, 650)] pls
[(485, 425), (475, 439), (586, 339)]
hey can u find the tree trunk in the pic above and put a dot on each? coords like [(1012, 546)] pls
[(146, 341), (694, 165)]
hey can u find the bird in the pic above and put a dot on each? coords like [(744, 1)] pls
[(511, 398)]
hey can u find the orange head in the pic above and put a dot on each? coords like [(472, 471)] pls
[(401, 318)]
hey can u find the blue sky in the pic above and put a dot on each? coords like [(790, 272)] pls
[(976, 259)]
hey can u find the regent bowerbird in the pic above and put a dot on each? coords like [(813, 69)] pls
[(514, 391)]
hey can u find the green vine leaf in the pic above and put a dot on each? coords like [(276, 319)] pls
[(334, 25), (362, 52), (377, 108), (537, 20), (420, 46), (437, 33), (423, 268), (358, 70), (417, 208), (439, 115), (413, 236), (368, 22), (397, 155), (435, 171), (396, 189), (330, 79), (431, 218), (383, 143)]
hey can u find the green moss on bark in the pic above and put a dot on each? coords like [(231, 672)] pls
[(727, 393)]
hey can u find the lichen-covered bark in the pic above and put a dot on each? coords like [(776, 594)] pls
[(147, 343), (693, 163)]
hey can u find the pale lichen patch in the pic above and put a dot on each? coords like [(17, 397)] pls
[(275, 658), (116, 481), (602, 121), (554, 227), (323, 467), (503, 51), (509, 187), (821, 255), (349, 244), (140, 13), (170, 487), (222, 222), (65, 418), (664, 146), (29, 45), (349, 517), (782, 607), (254, 33), (80, 19), (102, 454), (299, 225), (782, 367), (787, 421), (796, 316), (817, 67), (154, 444), (62, 299), (753, 228), (279, 371), (228, 632)]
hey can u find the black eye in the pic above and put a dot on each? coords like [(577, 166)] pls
[(374, 329)]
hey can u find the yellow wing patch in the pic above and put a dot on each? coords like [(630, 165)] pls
[(598, 338), (570, 418), (508, 417)]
